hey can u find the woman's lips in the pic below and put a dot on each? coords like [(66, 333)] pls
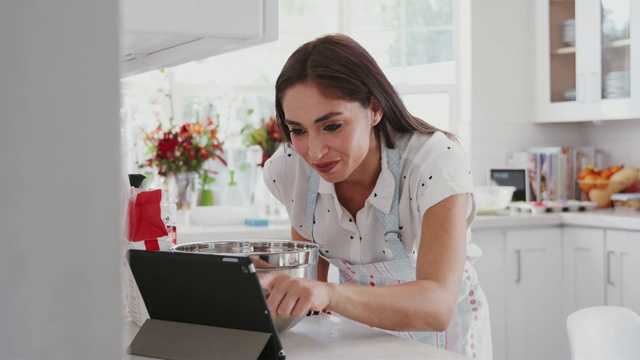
[(325, 167)]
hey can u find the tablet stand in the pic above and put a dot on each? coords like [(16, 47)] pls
[(183, 341)]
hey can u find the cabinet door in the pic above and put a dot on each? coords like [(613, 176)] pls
[(582, 268), (582, 272), (623, 268), (563, 43), (534, 310), (620, 82), (491, 268), (584, 52)]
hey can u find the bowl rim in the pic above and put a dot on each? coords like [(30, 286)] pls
[(298, 246)]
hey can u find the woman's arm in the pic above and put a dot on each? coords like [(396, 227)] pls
[(426, 304)]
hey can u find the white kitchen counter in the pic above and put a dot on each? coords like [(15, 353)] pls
[(197, 233), (324, 337), (607, 218)]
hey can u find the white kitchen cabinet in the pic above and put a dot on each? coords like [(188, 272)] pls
[(598, 63), (520, 274), (583, 271), (533, 284), (583, 268), (600, 268), (623, 269), (162, 33)]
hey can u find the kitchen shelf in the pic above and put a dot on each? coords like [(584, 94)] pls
[(572, 49), (565, 50), (617, 43)]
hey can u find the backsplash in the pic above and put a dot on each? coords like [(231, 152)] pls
[(619, 139), (492, 140)]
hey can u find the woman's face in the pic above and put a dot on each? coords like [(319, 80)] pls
[(333, 136)]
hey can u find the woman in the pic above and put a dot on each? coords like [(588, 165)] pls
[(386, 195)]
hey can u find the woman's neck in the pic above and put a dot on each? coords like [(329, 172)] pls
[(354, 191), (366, 174)]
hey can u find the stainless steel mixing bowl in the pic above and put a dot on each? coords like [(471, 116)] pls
[(297, 258)]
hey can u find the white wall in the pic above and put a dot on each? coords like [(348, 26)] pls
[(503, 89), (620, 139), (59, 179)]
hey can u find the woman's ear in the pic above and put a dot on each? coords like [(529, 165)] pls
[(376, 110)]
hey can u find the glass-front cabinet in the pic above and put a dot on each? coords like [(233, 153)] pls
[(587, 60)]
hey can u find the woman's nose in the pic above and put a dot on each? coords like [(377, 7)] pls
[(317, 147)]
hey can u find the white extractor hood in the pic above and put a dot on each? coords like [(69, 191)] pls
[(163, 33)]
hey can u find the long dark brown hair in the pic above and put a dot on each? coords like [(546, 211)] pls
[(343, 69)]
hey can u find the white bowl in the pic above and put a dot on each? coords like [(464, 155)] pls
[(490, 199)]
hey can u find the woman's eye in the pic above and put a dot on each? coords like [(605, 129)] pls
[(297, 132), (332, 127)]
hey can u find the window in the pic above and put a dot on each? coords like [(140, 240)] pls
[(414, 42)]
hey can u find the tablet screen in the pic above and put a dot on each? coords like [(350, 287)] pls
[(516, 177)]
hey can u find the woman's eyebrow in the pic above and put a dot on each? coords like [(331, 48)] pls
[(322, 118)]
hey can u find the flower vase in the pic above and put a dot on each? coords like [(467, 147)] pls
[(183, 189)]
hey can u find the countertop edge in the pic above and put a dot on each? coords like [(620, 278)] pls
[(607, 218)]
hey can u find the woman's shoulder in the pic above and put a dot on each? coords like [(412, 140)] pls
[(423, 148)]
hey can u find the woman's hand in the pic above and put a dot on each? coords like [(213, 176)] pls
[(290, 296)]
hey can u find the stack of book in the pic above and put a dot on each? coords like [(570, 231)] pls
[(553, 170)]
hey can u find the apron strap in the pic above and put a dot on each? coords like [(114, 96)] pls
[(310, 203), (389, 220)]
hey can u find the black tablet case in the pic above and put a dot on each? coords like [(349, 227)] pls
[(202, 307)]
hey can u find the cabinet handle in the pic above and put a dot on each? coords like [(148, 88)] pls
[(609, 253), (581, 88), (518, 266), (593, 94)]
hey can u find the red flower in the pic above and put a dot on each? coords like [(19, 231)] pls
[(185, 148), (167, 145), (273, 130), (267, 136)]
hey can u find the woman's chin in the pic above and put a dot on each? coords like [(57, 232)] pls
[(332, 177)]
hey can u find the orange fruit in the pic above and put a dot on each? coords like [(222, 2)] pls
[(584, 172), (603, 179), (589, 182)]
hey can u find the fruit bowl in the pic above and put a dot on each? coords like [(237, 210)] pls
[(599, 185), (490, 199), (586, 185), (600, 191)]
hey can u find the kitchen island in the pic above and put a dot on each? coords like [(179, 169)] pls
[(325, 337)]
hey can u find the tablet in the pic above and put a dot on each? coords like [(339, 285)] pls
[(511, 176), (220, 291)]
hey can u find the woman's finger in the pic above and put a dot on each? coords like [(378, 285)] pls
[(301, 308), (266, 280), (287, 305)]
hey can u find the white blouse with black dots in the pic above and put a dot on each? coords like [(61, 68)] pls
[(432, 168)]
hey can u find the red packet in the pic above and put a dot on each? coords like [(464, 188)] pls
[(144, 218)]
